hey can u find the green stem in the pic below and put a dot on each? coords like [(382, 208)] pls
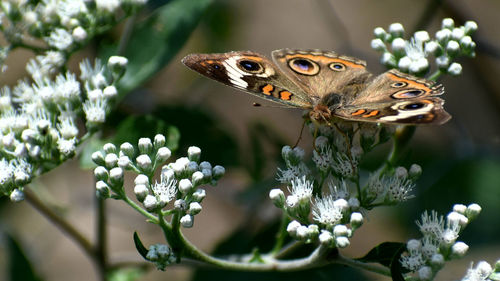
[(281, 236), (316, 259), (101, 241), (434, 76), (362, 265), (143, 212)]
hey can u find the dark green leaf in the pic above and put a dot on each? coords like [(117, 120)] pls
[(139, 246), (384, 253), (132, 128), (19, 266), (157, 40)]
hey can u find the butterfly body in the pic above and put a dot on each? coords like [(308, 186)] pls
[(327, 84)]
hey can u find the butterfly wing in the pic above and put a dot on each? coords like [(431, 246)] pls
[(323, 73), (252, 73), (396, 97)]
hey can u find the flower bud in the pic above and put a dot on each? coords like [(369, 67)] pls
[(457, 33), (144, 162), (302, 232), (159, 141), (150, 202), (326, 237), (404, 63), (278, 197), (437, 261), (398, 46), (185, 186), (443, 62), (98, 158), (111, 160), (470, 27), (340, 230), (101, 173), (473, 211), (127, 149), (447, 23), (163, 154), (459, 249), (207, 175), (459, 208), (117, 65), (421, 36), (342, 242), (455, 69), (415, 171), (16, 195), (194, 153), (187, 221), (79, 34), (425, 273), (292, 227), (388, 59), (141, 191), (380, 33), (141, 179), (180, 205), (194, 208), (192, 167), (199, 195), (205, 165), (218, 171), (356, 220), (124, 162), (197, 178), (110, 92), (102, 190), (431, 48), (443, 36), (396, 30), (378, 45), (145, 145), (116, 176)]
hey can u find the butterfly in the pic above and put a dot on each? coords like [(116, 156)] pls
[(328, 85)]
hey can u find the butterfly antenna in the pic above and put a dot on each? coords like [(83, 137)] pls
[(256, 104)]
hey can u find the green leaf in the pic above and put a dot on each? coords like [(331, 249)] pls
[(155, 41), (19, 267), (126, 274), (384, 253), (388, 254), (132, 128), (139, 246)]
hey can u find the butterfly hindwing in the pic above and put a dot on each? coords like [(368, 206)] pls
[(252, 73)]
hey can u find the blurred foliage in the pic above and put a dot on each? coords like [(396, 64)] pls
[(19, 266)]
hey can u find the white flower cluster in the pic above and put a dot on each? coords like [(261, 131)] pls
[(38, 120), (161, 255), (391, 189), (483, 272), (412, 55), (179, 183), (426, 256), (332, 217), (64, 25)]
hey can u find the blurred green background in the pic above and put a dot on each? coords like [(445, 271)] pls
[(459, 159)]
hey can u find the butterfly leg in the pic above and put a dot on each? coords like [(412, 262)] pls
[(300, 135), (348, 144)]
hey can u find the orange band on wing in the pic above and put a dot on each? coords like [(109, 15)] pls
[(371, 113), (411, 84), (285, 95), (358, 112), (267, 89), (325, 59)]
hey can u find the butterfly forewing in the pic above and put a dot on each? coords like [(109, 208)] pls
[(252, 73)]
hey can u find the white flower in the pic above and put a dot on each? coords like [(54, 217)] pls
[(71, 8), (398, 189), (107, 5), (67, 128), (415, 51), (455, 69), (292, 172), (447, 23), (95, 111), (165, 190), (344, 166), (302, 189), (326, 212), (66, 146), (79, 34), (481, 272), (396, 29), (60, 39), (323, 157), (431, 225)]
